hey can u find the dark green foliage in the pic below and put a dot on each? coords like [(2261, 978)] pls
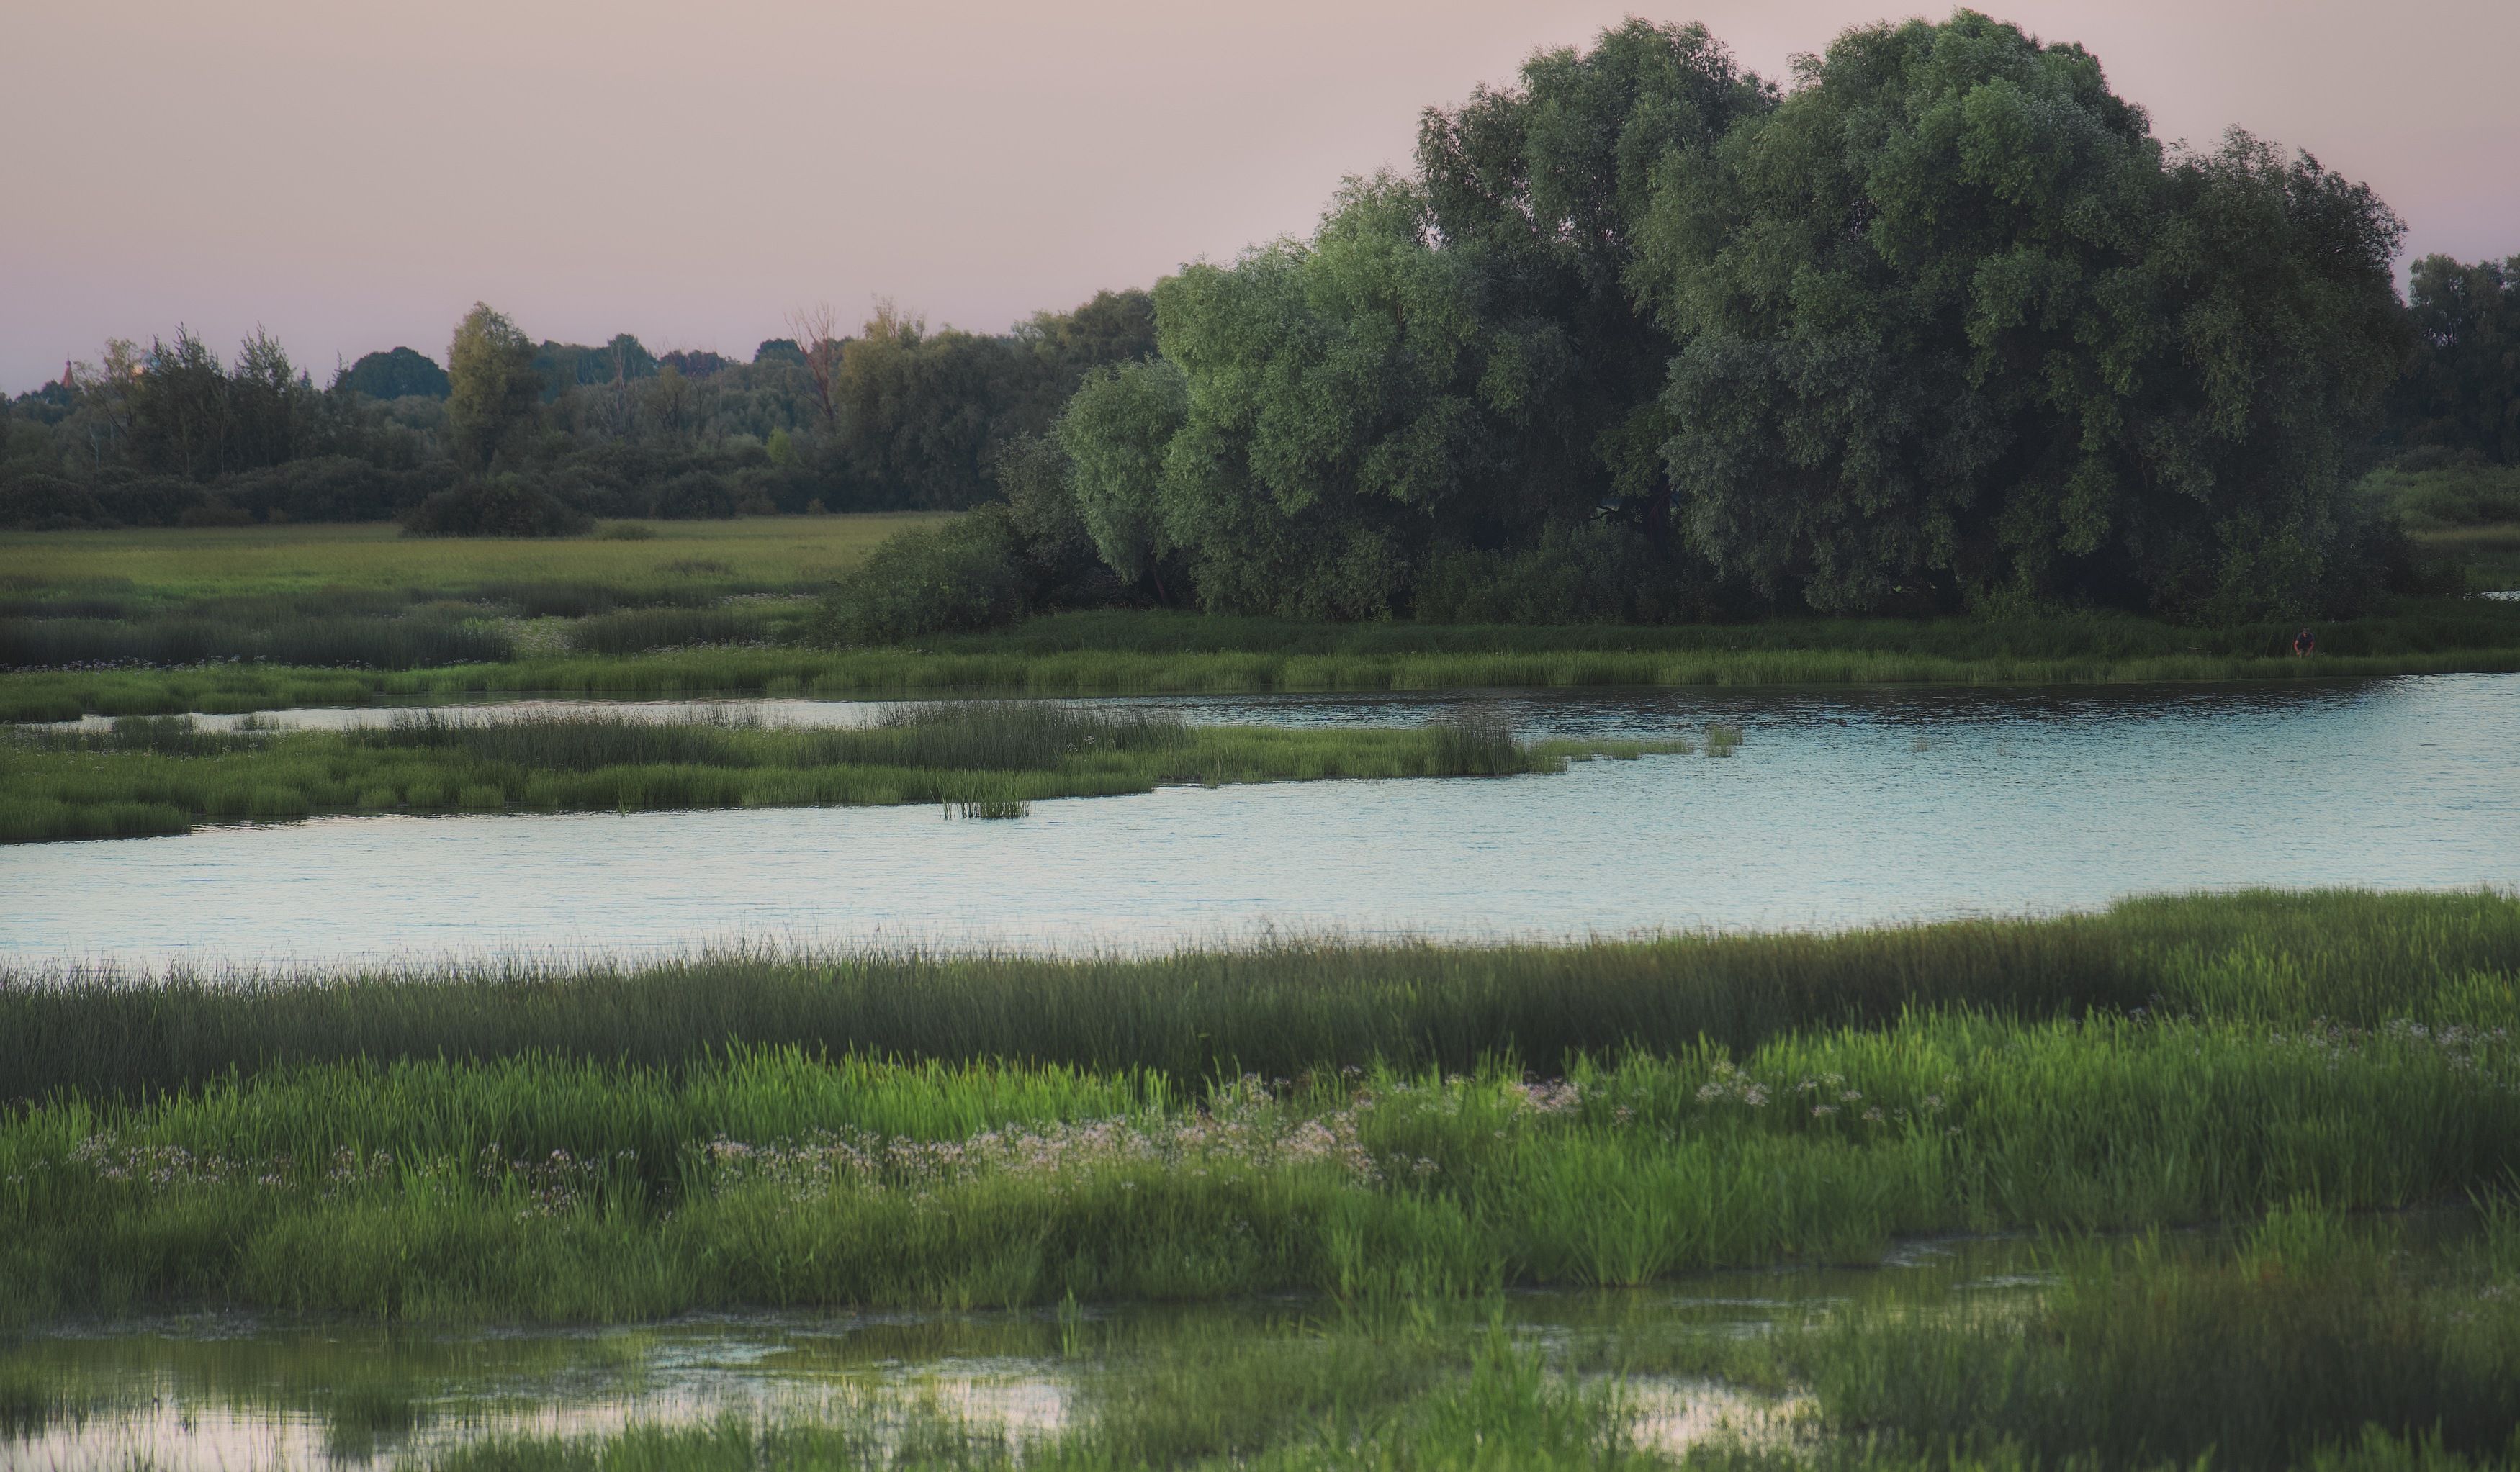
[(189, 416), (1580, 572), (383, 643), (499, 506), (402, 373), (638, 630), (2464, 391), (563, 366), (1954, 320), (947, 579)]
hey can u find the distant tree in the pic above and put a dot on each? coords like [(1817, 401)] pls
[(694, 363), (402, 373), (2464, 391), (493, 390), (178, 405), (779, 350), (819, 345), (272, 409), (563, 366)]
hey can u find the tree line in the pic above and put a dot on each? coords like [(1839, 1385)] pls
[(517, 436), (1937, 324)]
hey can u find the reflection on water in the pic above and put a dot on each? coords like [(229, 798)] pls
[(240, 1394), (1843, 807)]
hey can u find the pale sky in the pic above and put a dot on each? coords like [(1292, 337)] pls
[(352, 175)]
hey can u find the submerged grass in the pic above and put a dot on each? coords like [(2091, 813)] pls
[(141, 778), (1118, 653)]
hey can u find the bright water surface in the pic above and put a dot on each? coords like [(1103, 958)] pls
[(1843, 807)]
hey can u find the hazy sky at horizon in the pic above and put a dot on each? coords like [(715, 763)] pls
[(352, 174)]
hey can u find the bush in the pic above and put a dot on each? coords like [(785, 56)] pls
[(504, 506), (966, 574), (1592, 574), (43, 502)]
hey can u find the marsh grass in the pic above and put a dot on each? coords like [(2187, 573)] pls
[(1110, 654), (2308, 1337), (998, 755), (2333, 958), (541, 1188), (637, 631), (374, 643)]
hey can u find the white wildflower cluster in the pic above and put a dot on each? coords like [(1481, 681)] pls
[(1824, 1096), (2463, 1049), (1238, 1135), (551, 1185), (1731, 1085), (172, 1167)]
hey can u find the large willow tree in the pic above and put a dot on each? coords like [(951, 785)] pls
[(1453, 358), (1955, 323), (1945, 325)]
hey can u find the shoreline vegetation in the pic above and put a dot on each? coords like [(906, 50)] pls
[(1150, 652), (1367, 1123), (159, 776)]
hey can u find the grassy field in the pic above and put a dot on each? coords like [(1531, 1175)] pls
[(1398, 1134), (257, 618), (152, 776), (174, 565)]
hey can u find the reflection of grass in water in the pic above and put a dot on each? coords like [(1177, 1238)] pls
[(29, 1400), (990, 759), (360, 1414)]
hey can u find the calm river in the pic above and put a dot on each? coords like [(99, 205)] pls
[(1843, 807)]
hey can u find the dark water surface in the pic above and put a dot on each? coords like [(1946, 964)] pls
[(1842, 807)]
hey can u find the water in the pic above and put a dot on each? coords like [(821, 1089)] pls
[(245, 1393), (1842, 808)]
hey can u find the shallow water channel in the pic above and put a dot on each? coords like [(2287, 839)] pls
[(243, 1393), (1842, 807)]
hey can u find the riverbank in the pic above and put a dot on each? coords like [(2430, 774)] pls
[(1393, 1135), (918, 1132), (159, 776), (1170, 653)]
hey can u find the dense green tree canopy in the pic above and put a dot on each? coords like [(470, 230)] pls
[(1953, 324), (2463, 392), (1945, 324), (400, 373), (1451, 360)]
